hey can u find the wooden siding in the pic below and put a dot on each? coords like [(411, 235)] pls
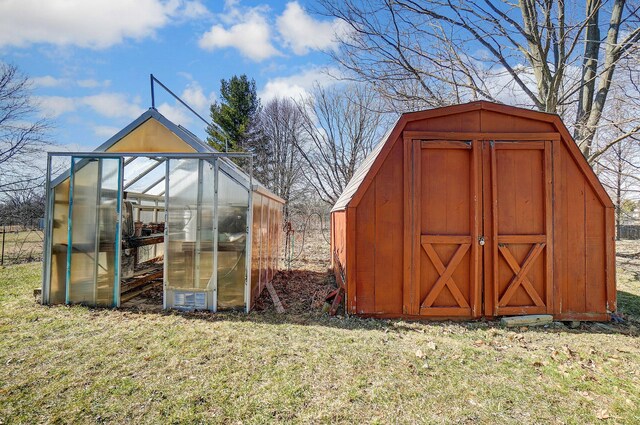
[(339, 245), (579, 241), (266, 242), (379, 240)]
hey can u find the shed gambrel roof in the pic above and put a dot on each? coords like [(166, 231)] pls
[(361, 172), (372, 163)]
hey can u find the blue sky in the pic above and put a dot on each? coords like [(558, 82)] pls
[(90, 60)]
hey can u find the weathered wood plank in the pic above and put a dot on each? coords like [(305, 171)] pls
[(274, 297), (529, 320)]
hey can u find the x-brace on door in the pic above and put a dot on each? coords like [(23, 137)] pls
[(518, 220)]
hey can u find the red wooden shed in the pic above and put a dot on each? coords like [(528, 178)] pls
[(476, 210)]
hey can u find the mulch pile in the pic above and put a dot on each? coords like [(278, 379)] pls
[(300, 291)]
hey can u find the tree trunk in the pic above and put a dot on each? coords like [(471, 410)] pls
[(589, 69), (618, 193)]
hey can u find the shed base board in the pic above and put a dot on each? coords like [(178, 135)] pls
[(583, 317)]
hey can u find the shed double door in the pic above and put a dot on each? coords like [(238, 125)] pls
[(478, 233)]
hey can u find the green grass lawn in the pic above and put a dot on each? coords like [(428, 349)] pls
[(74, 364)]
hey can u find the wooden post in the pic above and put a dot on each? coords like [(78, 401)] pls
[(2, 257)]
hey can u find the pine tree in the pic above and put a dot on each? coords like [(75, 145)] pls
[(233, 114)]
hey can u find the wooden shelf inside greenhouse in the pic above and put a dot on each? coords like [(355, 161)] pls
[(143, 277), (138, 241)]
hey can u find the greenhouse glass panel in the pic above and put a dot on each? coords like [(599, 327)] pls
[(134, 167), (207, 210), (58, 243), (83, 231), (182, 223), (91, 270), (233, 203), (152, 173), (108, 232)]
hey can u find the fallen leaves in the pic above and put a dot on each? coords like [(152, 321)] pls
[(602, 414)]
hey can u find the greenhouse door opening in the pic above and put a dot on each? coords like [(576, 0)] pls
[(480, 239)]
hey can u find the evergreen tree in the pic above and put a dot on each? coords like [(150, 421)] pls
[(232, 116)]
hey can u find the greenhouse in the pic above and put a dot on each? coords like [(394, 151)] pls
[(154, 205)]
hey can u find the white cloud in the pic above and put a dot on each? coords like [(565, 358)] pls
[(248, 31), (113, 105), (91, 83), (105, 131), (48, 81), (194, 10), (54, 106), (302, 33), (194, 96), (176, 113), (67, 147), (95, 24), (298, 85)]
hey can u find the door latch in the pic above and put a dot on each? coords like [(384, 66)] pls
[(481, 240)]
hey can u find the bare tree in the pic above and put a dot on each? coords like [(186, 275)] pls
[(22, 207), (618, 172), (555, 56), (22, 134), (342, 125), (618, 167), (279, 128)]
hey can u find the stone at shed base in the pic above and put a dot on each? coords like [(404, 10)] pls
[(529, 320)]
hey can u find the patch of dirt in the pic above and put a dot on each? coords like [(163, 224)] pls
[(300, 291)]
